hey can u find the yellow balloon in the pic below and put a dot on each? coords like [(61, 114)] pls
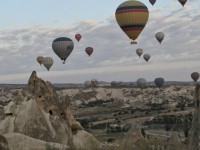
[(132, 17)]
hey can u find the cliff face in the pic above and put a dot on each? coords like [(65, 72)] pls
[(37, 113), (195, 129)]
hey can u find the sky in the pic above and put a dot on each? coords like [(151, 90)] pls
[(28, 28)]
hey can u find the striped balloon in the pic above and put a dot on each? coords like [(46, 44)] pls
[(146, 57), (182, 2), (89, 50), (159, 82), (63, 47), (48, 62), (132, 17), (78, 37), (139, 51), (195, 76)]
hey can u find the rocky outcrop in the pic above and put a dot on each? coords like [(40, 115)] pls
[(134, 141), (3, 143), (175, 143), (22, 142), (39, 115), (194, 134)]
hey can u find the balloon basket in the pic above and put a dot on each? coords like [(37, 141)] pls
[(133, 42)]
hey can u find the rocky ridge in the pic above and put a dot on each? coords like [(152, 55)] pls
[(38, 116)]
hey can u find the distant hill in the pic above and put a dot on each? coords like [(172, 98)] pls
[(76, 85)]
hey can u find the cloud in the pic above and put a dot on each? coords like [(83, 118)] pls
[(20, 47)]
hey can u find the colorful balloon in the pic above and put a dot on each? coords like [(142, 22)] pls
[(63, 47), (141, 83), (182, 2), (146, 57), (132, 17), (48, 62), (160, 36), (152, 2), (195, 76), (89, 50), (78, 37), (159, 82), (40, 60), (139, 51)]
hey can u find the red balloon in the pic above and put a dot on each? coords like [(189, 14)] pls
[(78, 37)]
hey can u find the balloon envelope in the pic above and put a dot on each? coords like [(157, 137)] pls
[(146, 57), (78, 37), (160, 36), (48, 62), (182, 2), (63, 47), (195, 76), (89, 50), (159, 82), (141, 83), (152, 2), (94, 82), (40, 59), (132, 17), (113, 83), (139, 51), (87, 83)]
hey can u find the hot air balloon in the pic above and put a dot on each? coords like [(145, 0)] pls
[(89, 50), (182, 2), (132, 17), (159, 82), (160, 36), (78, 37), (113, 83), (40, 60), (139, 51), (87, 83), (48, 62), (195, 76), (63, 47), (141, 83), (152, 2), (94, 82), (146, 57)]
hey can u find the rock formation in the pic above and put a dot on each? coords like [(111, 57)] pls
[(194, 133), (37, 115), (3, 143)]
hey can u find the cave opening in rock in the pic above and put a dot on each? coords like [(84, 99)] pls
[(50, 112)]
